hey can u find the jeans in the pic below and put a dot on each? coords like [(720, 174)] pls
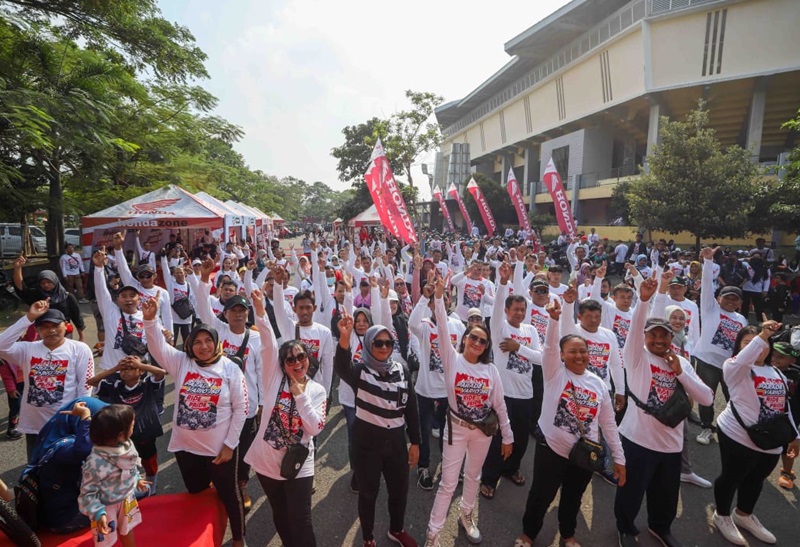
[(430, 410), (744, 470), (551, 472), (291, 509), (653, 473), (469, 446), (712, 377), (519, 412)]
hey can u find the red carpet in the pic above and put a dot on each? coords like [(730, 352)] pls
[(185, 520)]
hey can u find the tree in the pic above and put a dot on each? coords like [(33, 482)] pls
[(354, 154), (783, 196), (693, 185), (620, 206), (497, 198)]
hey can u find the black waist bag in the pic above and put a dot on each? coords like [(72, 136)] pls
[(773, 432), (131, 344), (673, 412)]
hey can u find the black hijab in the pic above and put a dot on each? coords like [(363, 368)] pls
[(59, 294)]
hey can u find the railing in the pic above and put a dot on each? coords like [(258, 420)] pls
[(622, 19), (659, 7), (591, 180)]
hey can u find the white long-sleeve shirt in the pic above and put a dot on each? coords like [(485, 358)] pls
[(71, 264), (164, 305), (52, 377), (113, 317), (469, 293), (430, 377)]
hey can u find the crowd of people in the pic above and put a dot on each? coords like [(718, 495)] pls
[(593, 352)]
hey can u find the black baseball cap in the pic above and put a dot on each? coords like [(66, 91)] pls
[(538, 283), (678, 280), (145, 268), (51, 316), (236, 300), (730, 289), (128, 288), (657, 322)]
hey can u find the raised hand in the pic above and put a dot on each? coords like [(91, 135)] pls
[(251, 265), (505, 272), (428, 290), (149, 309), (768, 327), (384, 285), (345, 325), (99, 259), (553, 309), (439, 287), (571, 294), (206, 268), (647, 289), (708, 252), (118, 239), (601, 271), (257, 298), (19, 262), (79, 409), (38, 309)]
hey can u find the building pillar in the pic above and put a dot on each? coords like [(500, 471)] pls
[(653, 140), (527, 172), (506, 164), (755, 122)]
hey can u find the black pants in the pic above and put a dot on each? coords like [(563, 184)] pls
[(183, 330), (249, 431), (14, 406), (379, 452), (653, 473), (538, 395), (551, 472), (430, 411), (757, 299), (712, 377), (743, 470), (291, 509), (519, 414), (198, 471), (30, 443)]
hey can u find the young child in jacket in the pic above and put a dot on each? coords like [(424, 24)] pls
[(111, 478)]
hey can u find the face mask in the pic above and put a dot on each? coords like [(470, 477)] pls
[(331, 281)]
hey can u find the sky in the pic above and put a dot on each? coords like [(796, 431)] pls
[(293, 73)]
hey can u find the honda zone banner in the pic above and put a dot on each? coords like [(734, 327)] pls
[(453, 193), (445, 213), (556, 188), (387, 198), (516, 199), (483, 206)]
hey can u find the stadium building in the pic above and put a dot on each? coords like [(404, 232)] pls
[(588, 85)]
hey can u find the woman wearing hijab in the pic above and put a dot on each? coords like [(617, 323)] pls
[(385, 408), (296, 417), (62, 446), (209, 414), (49, 286), (474, 390)]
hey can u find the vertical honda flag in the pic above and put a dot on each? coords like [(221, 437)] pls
[(516, 199), (387, 198), (445, 213), (483, 206), (453, 193), (556, 188)]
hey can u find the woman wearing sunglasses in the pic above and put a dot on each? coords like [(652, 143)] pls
[(474, 390), (295, 408), (386, 406)]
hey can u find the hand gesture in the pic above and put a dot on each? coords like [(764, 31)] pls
[(79, 409), (384, 285), (707, 253), (417, 261), (102, 525), (571, 294), (296, 387), (553, 309), (313, 245), (348, 282), (667, 276), (768, 327), (505, 272), (428, 290), (439, 287), (251, 264), (19, 262), (373, 282), (206, 268), (224, 456), (279, 273), (118, 239), (601, 271), (149, 308), (673, 362), (38, 309), (508, 345), (257, 298), (99, 259), (345, 325), (413, 455), (143, 485), (647, 289), (481, 289)]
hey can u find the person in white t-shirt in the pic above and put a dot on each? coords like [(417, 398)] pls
[(72, 269)]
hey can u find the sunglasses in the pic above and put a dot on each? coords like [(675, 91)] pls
[(383, 344), (292, 359), (478, 340), (145, 276), (541, 291)]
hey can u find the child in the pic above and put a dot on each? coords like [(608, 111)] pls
[(135, 383), (13, 382), (110, 478)]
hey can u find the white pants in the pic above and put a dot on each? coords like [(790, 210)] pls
[(469, 443)]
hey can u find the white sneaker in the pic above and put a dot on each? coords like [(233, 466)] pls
[(697, 480), (468, 523), (752, 525), (705, 437), (728, 529), (432, 540)]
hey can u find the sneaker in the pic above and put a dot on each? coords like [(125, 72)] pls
[(697, 480), (468, 524), (628, 540), (435, 433), (432, 540), (786, 480), (666, 539), (402, 538), (607, 476), (14, 434), (424, 479), (752, 525), (353, 484), (82, 301), (728, 529), (705, 437)]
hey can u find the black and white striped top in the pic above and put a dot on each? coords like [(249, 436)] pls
[(388, 402)]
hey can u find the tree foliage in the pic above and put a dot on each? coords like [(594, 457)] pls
[(353, 155), (782, 198), (695, 185)]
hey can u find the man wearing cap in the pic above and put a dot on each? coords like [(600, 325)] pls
[(720, 325), (241, 345), (652, 449), (55, 369), (145, 283)]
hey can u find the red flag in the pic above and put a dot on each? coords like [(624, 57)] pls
[(438, 195), (388, 201), (483, 206), (453, 193), (516, 199), (563, 213)]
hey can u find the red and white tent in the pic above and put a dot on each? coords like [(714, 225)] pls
[(367, 217), (156, 214)]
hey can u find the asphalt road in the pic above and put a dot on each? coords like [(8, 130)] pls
[(335, 507)]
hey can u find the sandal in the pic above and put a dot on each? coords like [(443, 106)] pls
[(570, 543), (518, 479), (786, 480), (487, 491), (519, 542)]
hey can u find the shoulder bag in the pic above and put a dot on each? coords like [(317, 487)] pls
[(775, 432), (673, 412), (313, 362), (296, 453), (131, 344), (238, 357), (586, 454), (183, 306)]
